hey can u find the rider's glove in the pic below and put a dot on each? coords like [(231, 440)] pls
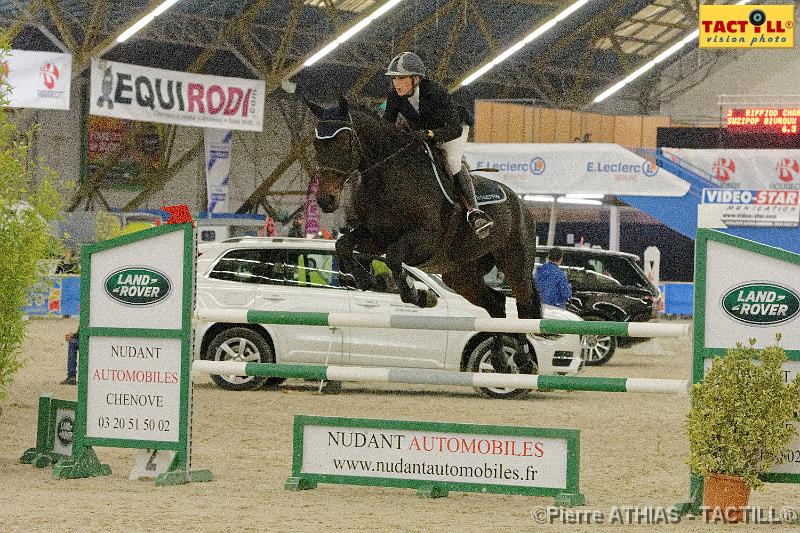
[(421, 136)]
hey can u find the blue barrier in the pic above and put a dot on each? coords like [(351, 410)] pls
[(678, 298), (55, 296)]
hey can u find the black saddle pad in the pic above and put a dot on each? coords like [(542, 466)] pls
[(486, 190)]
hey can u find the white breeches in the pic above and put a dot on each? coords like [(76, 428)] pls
[(454, 150)]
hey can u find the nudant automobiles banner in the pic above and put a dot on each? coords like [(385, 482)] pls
[(742, 168), (183, 98), (593, 168), (38, 79)]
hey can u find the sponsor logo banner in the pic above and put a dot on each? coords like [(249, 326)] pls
[(722, 208), (574, 168), (218, 165), (742, 168), (167, 96), (747, 26), (761, 303), (137, 286), (38, 79)]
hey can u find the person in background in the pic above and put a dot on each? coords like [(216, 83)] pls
[(298, 227), (552, 281), (72, 358)]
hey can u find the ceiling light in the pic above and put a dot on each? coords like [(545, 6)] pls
[(144, 21), (537, 198), (535, 34), (586, 195), (363, 23), (580, 201), (653, 62)]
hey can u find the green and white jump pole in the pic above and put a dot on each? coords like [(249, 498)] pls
[(494, 325), (442, 377)]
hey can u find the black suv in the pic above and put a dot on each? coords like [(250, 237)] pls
[(605, 286)]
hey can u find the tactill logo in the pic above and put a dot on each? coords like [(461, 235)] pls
[(761, 303), (138, 286), (50, 74)]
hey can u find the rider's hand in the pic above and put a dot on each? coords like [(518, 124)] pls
[(421, 136)]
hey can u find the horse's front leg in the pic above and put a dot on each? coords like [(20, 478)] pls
[(412, 248), (346, 244)]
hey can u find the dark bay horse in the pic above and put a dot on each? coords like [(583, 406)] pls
[(401, 211)]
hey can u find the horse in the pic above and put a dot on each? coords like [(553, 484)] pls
[(401, 211)]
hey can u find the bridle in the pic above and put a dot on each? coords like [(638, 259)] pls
[(355, 147), (340, 126)]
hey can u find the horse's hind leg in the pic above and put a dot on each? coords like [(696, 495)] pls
[(468, 282), (518, 270)]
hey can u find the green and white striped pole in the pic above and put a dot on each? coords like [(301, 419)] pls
[(442, 377), (495, 325)]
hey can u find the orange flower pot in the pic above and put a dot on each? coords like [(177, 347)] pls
[(725, 497)]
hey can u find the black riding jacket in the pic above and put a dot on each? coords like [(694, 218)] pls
[(438, 111)]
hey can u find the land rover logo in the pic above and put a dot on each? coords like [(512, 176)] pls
[(64, 429), (138, 286), (761, 304)]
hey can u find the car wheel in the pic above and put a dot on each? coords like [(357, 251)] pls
[(597, 349), (242, 345), (480, 360)]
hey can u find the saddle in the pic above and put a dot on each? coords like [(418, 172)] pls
[(486, 190)]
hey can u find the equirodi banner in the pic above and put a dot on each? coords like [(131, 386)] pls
[(574, 168), (218, 165), (167, 96), (38, 79), (743, 169)]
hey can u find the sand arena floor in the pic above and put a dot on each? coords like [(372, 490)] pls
[(633, 448)]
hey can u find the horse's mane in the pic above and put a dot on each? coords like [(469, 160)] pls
[(372, 115)]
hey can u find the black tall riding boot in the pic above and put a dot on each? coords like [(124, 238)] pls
[(480, 221)]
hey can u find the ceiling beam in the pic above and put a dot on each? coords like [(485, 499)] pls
[(63, 28)]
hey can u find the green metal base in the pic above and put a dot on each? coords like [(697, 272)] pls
[(180, 477), (569, 499), (83, 464), (695, 502), (431, 491), (33, 456), (299, 483), (29, 455)]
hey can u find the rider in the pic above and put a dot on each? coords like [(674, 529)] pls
[(427, 106)]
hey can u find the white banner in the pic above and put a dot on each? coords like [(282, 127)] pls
[(218, 166), (38, 79), (573, 168), (155, 95), (435, 456), (742, 169), (722, 208)]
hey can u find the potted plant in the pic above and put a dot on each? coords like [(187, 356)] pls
[(740, 423)]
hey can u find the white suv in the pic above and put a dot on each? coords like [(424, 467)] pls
[(285, 274)]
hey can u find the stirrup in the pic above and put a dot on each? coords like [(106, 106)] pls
[(480, 222)]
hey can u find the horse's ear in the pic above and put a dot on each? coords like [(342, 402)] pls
[(315, 108), (343, 105)]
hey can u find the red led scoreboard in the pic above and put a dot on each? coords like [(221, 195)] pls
[(780, 120)]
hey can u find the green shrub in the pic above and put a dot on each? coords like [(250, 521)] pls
[(742, 415), (27, 207)]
